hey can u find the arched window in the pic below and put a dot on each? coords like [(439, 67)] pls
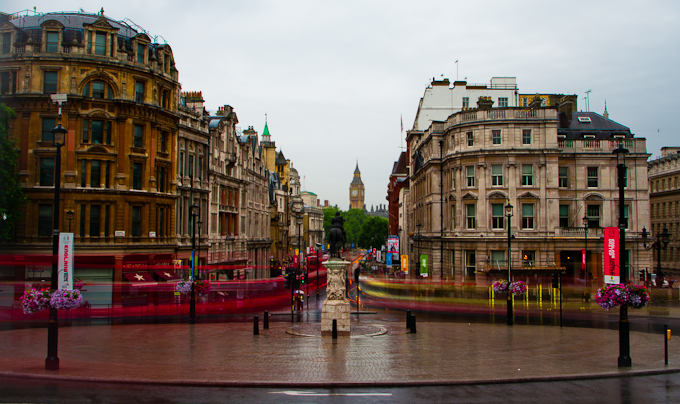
[(98, 89)]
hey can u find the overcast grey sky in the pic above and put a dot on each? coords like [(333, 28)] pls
[(334, 77)]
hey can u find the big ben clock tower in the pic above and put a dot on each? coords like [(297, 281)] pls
[(356, 190)]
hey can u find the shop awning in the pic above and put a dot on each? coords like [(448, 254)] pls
[(168, 276), (139, 278)]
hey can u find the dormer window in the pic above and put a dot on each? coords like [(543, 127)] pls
[(52, 41), (140, 53), (584, 119), (100, 44)]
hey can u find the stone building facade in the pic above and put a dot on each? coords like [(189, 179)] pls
[(664, 197), (118, 166), (553, 167)]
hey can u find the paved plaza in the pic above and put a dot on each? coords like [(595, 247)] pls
[(380, 352)]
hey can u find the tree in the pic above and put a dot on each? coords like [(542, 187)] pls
[(11, 194), (355, 219), (373, 232)]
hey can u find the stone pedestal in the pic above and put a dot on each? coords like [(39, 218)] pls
[(336, 306)]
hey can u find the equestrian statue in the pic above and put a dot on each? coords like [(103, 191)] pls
[(337, 235)]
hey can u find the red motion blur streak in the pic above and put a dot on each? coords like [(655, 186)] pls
[(158, 299)]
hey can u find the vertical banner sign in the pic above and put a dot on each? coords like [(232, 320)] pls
[(388, 259), (393, 244), (583, 259), (611, 255), (404, 263), (65, 263), (423, 265)]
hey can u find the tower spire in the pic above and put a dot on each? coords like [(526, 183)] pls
[(605, 114)]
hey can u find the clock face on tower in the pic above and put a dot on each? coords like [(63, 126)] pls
[(354, 192)]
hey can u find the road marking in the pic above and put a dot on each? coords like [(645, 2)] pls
[(313, 394)]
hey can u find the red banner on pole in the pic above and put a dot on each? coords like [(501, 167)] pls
[(611, 255), (583, 259)]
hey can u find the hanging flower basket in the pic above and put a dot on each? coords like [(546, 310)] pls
[(183, 287), (516, 288), (34, 301), (66, 299), (619, 294), (202, 287)]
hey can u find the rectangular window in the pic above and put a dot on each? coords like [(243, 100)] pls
[(83, 173), (497, 216), (470, 175), (502, 102), (453, 216), (44, 220), (470, 264), (47, 172), (6, 43), (528, 258), (50, 82), (564, 216), (97, 131), (564, 177), (163, 141), (496, 136), (94, 220), (199, 174), (47, 125), (82, 220), (139, 91), (98, 88), (52, 41), (527, 175), (466, 102), (592, 177), (470, 216), (470, 139), (107, 172), (191, 166), (498, 259), (4, 83), (86, 131), (95, 173), (526, 136), (625, 214), (593, 216), (100, 44), (138, 140), (140, 53), (180, 168), (136, 228), (162, 175), (527, 216), (137, 176), (106, 220), (497, 175)]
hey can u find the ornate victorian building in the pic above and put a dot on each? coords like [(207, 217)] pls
[(118, 167), (664, 197)]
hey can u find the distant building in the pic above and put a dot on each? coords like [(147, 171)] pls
[(356, 190), (664, 198)]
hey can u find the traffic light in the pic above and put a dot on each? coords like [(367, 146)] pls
[(556, 281), (287, 280), (303, 278)]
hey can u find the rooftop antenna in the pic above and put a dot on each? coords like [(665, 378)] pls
[(588, 100), (456, 69)]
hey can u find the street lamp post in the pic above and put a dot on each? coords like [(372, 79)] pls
[(418, 251), (624, 325), (318, 247), (585, 253), (192, 300), (664, 237), (299, 268), (508, 214), (58, 140), (69, 216)]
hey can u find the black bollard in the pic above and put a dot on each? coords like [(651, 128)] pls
[(413, 324), (265, 325), (256, 328), (335, 329), (408, 318), (665, 341)]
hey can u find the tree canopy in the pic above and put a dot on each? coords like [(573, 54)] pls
[(11, 194), (373, 232)]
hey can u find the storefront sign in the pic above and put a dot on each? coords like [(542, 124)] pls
[(404, 263), (393, 244), (65, 262), (611, 255), (423, 265)]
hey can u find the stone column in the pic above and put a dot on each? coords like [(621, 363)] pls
[(336, 306)]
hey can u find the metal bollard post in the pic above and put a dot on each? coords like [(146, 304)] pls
[(335, 329), (256, 324), (413, 324), (266, 320), (408, 318), (666, 337)]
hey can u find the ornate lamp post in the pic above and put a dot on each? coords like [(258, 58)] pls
[(192, 300), (508, 214), (624, 325), (58, 140), (69, 216), (664, 237), (318, 247), (585, 253), (418, 252)]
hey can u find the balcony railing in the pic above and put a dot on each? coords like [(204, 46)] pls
[(601, 145)]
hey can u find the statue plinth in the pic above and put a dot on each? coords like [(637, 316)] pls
[(336, 306)]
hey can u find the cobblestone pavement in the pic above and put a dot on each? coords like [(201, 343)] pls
[(379, 352)]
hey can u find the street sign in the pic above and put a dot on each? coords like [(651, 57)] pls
[(423, 265), (65, 264), (611, 255)]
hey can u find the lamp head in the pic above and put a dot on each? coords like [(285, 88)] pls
[(69, 214), (620, 154), (508, 210), (644, 234), (585, 221), (59, 138), (665, 237)]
